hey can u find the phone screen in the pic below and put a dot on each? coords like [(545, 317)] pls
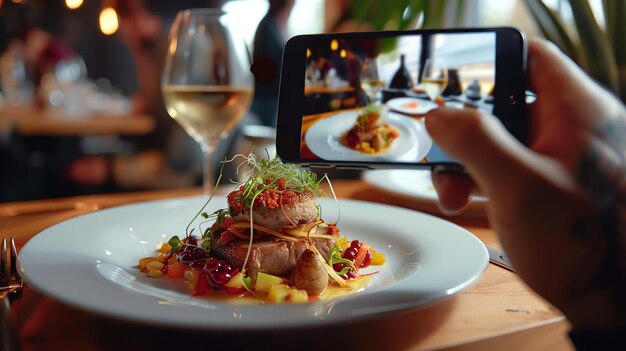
[(364, 97)]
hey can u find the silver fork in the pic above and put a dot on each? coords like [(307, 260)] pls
[(10, 283)]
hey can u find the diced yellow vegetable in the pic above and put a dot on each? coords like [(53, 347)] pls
[(378, 259), (343, 243), (144, 262), (236, 281), (154, 265), (165, 247), (265, 281), (154, 273), (278, 293), (298, 296)]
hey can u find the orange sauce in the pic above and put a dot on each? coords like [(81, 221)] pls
[(331, 292)]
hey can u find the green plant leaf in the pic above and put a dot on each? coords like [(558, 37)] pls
[(385, 13), (360, 10), (435, 11), (615, 15), (460, 10), (597, 49), (553, 29), (415, 8)]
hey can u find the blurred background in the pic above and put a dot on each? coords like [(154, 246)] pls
[(81, 110)]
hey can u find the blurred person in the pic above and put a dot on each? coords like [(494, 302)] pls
[(269, 42), (168, 157), (38, 49), (171, 158), (558, 205)]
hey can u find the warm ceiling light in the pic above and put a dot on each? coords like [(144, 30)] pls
[(343, 53), (334, 45), (308, 51), (108, 21), (19, 1), (73, 4)]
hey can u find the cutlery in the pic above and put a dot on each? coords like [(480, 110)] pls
[(499, 259), (10, 283)]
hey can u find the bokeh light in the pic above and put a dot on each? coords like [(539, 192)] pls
[(109, 23), (73, 4)]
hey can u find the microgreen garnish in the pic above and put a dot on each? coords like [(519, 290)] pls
[(201, 211), (335, 257), (364, 116), (175, 243), (265, 174), (247, 281)]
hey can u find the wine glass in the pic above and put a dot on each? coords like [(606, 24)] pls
[(206, 83), (434, 77), (370, 81)]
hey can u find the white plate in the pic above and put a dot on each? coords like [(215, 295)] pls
[(324, 139), (90, 262), (412, 184), (404, 105)]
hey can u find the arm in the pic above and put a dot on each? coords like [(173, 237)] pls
[(558, 205)]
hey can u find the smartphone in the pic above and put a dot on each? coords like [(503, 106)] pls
[(358, 100)]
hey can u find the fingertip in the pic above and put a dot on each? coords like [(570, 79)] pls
[(441, 119), (449, 212), (454, 190), (432, 119)]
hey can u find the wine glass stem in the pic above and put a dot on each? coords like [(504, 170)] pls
[(208, 169)]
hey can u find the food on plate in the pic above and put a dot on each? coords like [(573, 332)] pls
[(411, 105), (369, 135), (270, 243)]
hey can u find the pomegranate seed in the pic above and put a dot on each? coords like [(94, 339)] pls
[(190, 240), (220, 278), (351, 274), (350, 253), (212, 265), (339, 266), (197, 263), (352, 138), (356, 244), (226, 267), (191, 254)]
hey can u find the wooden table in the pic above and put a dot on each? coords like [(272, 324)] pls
[(28, 121), (323, 89), (497, 313)]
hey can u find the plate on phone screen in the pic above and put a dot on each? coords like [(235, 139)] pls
[(411, 106), (324, 139)]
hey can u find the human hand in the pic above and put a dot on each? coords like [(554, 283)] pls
[(557, 205)]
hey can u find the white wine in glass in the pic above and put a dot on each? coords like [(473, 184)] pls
[(434, 78), (370, 81), (206, 84)]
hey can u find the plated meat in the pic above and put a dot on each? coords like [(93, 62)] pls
[(269, 244), (269, 254), (309, 274), (369, 135), (276, 209)]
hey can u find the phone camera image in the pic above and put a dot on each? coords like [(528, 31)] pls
[(365, 95)]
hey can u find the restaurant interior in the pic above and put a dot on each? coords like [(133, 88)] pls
[(81, 112), (119, 150)]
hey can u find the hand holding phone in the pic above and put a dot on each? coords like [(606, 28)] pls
[(357, 100)]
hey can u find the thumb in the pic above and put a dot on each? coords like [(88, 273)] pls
[(489, 153)]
